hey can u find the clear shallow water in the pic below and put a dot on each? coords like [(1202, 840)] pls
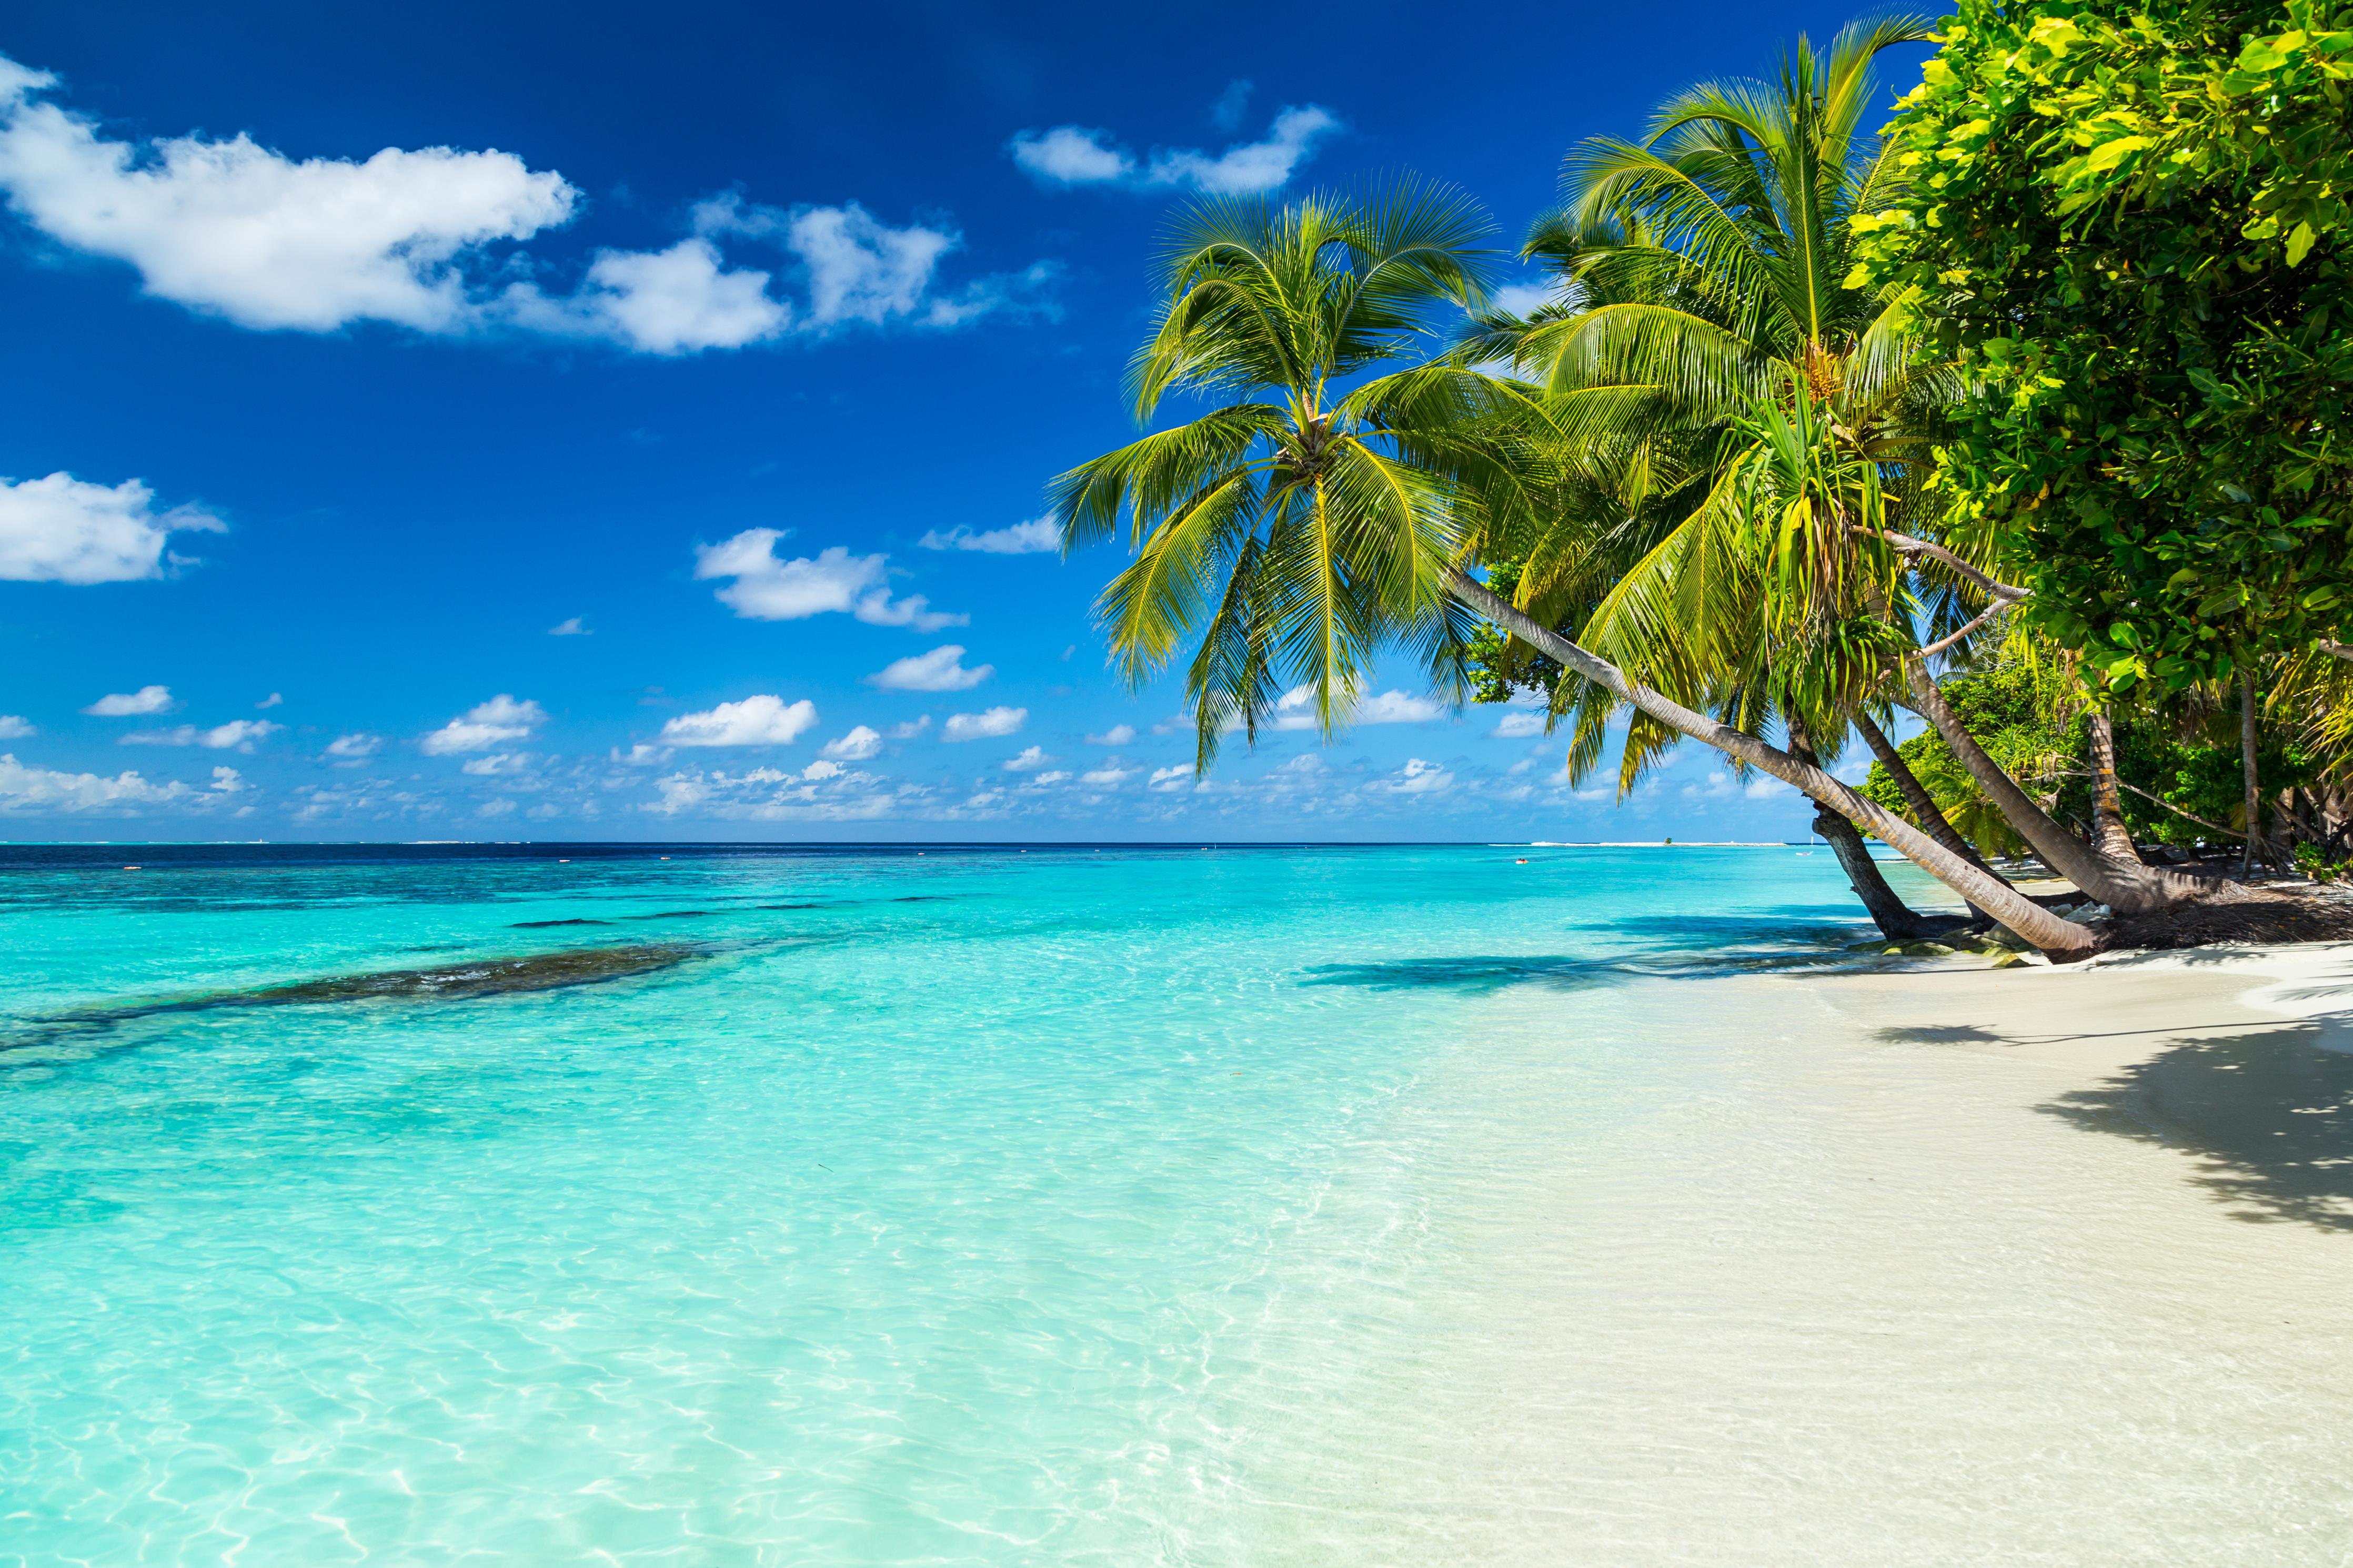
[(970, 1208)]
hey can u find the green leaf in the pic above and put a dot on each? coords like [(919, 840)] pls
[(2108, 155)]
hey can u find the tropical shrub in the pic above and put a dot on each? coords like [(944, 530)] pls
[(2128, 222)]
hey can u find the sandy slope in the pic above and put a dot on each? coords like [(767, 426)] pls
[(2027, 1267)]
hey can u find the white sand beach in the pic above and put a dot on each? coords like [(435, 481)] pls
[(2049, 1267)]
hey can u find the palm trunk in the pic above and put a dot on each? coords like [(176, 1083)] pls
[(2063, 941), (2134, 889), (1925, 809), (1896, 920), (2247, 767), (2107, 802)]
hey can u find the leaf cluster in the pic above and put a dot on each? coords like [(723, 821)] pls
[(2127, 224)]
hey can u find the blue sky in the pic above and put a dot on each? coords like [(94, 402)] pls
[(624, 421)]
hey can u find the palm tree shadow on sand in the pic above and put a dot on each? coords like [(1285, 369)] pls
[(2267, 1115)]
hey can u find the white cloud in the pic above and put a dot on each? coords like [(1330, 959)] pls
[(1167, 779), (1398, 708), (1039, 536), (24, 788), (233, 228), (130, 704), (1765, 786), (485, 725), (1075, 155), (1417, 777), (859, 745), (355, 745), (500, 807), (822, 792), (1295, 709), (14, 727), (1522, 299), (1108, 777), (1519, 726), (680, 300), (1117, 735), (1031, 759), (570, 628), (861, 270), (942, 670), (1071, 155), (983, 726), (641, 755), (762, 721), (242, 733), (1715, 783), (272, 701), (767, 589), (64, 529), (912, 727), (498, 764)]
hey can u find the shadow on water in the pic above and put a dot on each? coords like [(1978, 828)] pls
[(1483, 974), (446, 983), (1795, 926), (2268, 1116)]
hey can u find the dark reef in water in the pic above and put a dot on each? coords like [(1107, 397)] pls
[(543, 925), (446, 983)]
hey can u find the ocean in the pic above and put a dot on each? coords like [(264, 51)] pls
[(719, 1205)]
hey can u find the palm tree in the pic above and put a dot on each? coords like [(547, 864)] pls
[(1757, 423), (1334, 507)]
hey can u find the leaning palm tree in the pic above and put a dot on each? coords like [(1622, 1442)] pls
[(1768, 544), (1331, 508)]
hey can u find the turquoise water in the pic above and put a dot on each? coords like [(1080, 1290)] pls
[(970, 1208)]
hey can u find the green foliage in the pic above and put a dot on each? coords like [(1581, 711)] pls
[(2032, 721), (2128, 223), (1735, 422), (2018, 711), (1499, 665), (2318, 865)]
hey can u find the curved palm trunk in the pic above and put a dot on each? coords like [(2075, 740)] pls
[(2063, 941), (1924, 811), (2107, 804), (2134, 889), (1896, 920)]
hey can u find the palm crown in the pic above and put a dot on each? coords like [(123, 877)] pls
[(1313, 521), (1733, 414)]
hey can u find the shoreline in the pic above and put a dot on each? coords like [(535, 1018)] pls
[(1939, 1266)]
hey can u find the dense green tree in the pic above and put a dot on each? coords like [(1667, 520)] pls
[(1748, 422), (2128, 221)]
